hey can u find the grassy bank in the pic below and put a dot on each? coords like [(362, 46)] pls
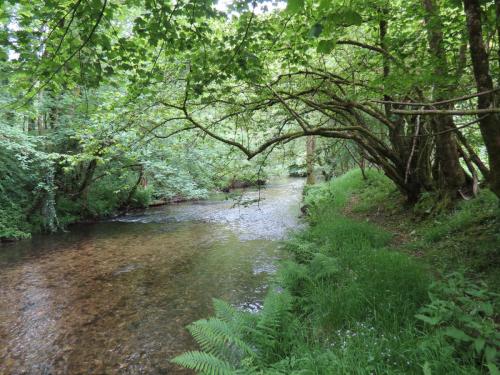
[(370, 289)]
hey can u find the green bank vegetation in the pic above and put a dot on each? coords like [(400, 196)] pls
[(350, 301), (107, 106)]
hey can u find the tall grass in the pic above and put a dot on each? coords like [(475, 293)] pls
[(346, 303), (466, 214)]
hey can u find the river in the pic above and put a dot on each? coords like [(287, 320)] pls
[(114, 297)]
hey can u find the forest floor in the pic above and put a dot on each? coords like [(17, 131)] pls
[(466, 238)]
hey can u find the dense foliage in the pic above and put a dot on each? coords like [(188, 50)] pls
[(155, 92)]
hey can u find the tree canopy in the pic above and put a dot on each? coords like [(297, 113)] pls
[(410, 86)]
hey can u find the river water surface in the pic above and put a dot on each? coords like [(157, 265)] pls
[(115, 297)]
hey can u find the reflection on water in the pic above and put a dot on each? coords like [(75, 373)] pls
[(114, 297)]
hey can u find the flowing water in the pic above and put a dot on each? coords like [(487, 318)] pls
[(114, 297)]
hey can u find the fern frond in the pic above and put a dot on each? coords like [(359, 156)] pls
[(294, 276), (217, 337), (204, 363), (276, 307), (237, 319), (224, 310), (323, 266)]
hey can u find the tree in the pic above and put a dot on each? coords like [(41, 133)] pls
[(489, 123)]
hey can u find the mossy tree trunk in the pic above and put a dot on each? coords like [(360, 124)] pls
[(450, 176), (310, 158), (489, 123)]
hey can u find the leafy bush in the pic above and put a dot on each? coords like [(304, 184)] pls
[(13, 223), (26, 186), (464, 313)]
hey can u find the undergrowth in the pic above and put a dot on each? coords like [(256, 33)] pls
[(466, 238), (347, 303)]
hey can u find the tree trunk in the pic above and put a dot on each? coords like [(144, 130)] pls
[(395, 138), (473, 155), (497, 22), (87, 178), (132, 191), (489, 124), (362, 163), (310, 151), (410, 181), (451, 176)]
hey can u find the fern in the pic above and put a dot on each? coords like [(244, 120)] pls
[(270, 328), (204, 363), (276, 307), (294, 277), (323, 266), (217, 337), (237, 341), (224, 310), (302, 250)]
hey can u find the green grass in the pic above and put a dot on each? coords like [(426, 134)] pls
[(466, 214), (466, 238), (351, 304)]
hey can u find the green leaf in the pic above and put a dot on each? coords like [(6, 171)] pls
[(427, 319), (427, 368), (479, 344), (346, 17), (326, 46), (457, 334), (493, 368), (487, 308), (316, 30), (324, 4), (490, 353), (295, 6), (203, 362), (352, 18)]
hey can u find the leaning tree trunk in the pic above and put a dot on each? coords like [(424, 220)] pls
[(489, 123), (407, 181), (131, 193), (310, 151)]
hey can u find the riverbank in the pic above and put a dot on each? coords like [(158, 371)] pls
[(105, 204), (372, 289)]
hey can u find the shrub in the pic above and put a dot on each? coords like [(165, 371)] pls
[(463, 312)]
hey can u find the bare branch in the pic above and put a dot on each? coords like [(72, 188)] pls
[(467, 112), (435, 104)]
